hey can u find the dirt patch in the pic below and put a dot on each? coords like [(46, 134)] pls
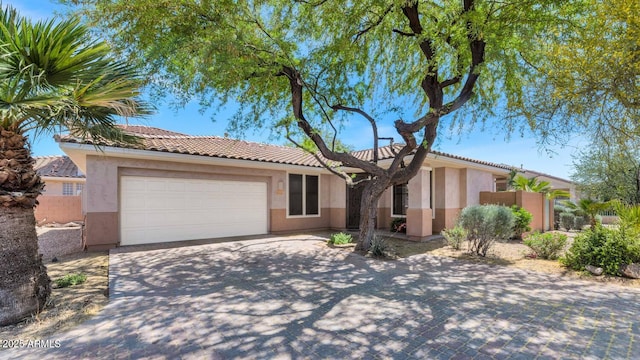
[(69, 306)]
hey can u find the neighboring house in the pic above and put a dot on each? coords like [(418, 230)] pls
[(177, 187), (61, 199)]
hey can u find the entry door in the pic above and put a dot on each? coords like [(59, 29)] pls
[(354, 196)]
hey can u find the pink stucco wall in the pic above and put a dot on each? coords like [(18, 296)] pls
[(58, 209)]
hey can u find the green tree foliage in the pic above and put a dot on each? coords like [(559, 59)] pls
[(609, 172), (310, 67), (589, 75)]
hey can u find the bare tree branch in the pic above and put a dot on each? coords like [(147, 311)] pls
[(403, 33), (372, 121)]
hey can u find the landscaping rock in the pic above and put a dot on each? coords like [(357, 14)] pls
[(631, 271), (597, 271)]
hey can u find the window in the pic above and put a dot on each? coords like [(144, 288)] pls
[(78, 188), (304, 198), (400, 199), (67, 189)]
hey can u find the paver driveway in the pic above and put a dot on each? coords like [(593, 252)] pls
[(293, 298)]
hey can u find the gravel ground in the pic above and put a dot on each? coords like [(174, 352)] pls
[(54, 242)]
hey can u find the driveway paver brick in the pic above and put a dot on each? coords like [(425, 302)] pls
[(293, 298)]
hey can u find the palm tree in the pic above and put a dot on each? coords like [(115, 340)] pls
[(53, 77), (590, 207), (534, 185)]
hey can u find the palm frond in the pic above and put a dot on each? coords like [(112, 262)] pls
[(54, 75)]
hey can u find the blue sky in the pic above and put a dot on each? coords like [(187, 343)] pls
[(477, 144)]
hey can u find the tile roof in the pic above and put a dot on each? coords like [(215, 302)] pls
[(56, 166), (385, 152), (156, 139)]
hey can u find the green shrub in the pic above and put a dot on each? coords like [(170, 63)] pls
[(340, 239), (547, 245), (628, 215), (557, 210), (455, 236), (603, 247), (485, 224), (522, 221), (399, 225), (70, 280), (579, 222), (380, 248), (567, 221)]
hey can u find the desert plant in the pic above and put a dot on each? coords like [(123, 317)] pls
[(485, 224), (628, 215), (579, 222), (522, 221), (603, 247), (380, 248), (71, 280), (399, 224), (589, 208), (567, 221), (340, 239), (547, 245), (455, 236)]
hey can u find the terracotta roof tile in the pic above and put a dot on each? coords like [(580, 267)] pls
[(386, 152), (56, 166), (156, 139)]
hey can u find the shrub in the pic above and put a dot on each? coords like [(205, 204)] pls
[(485, 224), (380, 248), (455, 236), (522, 221), (557, 210), (603, 247), (628, 215), (579, 222), (340, 239), (399, 225), (70, 280), (567, 221), (547, 245)]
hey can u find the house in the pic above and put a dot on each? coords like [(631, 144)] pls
[(61, 199), (175, 187)]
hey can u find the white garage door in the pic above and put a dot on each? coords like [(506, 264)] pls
[(154, 210)]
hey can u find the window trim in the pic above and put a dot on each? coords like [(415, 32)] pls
[(304, 196), (393, 195)]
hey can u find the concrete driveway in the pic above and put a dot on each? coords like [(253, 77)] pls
[(291, 297)]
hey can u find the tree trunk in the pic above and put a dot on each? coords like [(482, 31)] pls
[(371, 193), (24, 284)]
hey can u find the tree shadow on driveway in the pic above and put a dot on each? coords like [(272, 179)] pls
[(295, 298)]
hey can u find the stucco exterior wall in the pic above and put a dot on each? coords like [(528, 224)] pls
[(54, 187), (58, 209), (472, 182), (447, 198)]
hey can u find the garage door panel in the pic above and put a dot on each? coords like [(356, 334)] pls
[(168, 209)]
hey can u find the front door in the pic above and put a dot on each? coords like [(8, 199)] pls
[(354, 195)]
